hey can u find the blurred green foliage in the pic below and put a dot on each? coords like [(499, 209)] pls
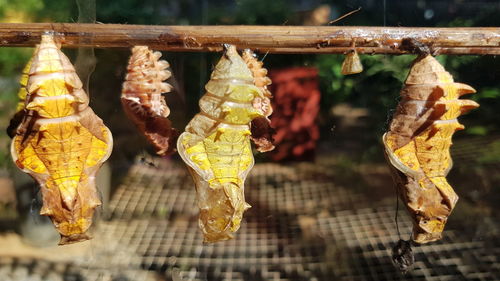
[(491, 154), (377, 88)]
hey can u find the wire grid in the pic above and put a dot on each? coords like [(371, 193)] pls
[(301, 227), (36, 269), (368, 235)]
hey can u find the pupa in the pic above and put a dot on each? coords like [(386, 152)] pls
[(418, 142), (142, 98), (20, 108), (216, 145), (352, 63), (260, 127), (61, 142)]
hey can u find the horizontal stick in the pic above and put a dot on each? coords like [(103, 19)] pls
[(273, 39)]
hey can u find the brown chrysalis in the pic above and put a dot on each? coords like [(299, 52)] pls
[(142, 98), (418, 142), (352, 63), (261, 128)]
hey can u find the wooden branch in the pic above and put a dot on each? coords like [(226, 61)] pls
[(273, 39)]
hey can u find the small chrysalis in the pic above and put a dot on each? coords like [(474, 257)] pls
[(352, 63)]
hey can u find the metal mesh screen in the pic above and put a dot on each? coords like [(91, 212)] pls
[(302, 226)]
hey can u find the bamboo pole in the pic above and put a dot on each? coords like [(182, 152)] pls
[(273, 39)]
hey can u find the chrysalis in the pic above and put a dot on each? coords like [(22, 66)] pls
[(418, 144), (62, 144), (216, 145), (20, 109), (142, 100), (352, 63), (261, 126)]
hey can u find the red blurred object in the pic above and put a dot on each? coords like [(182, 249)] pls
[(296, 106)]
